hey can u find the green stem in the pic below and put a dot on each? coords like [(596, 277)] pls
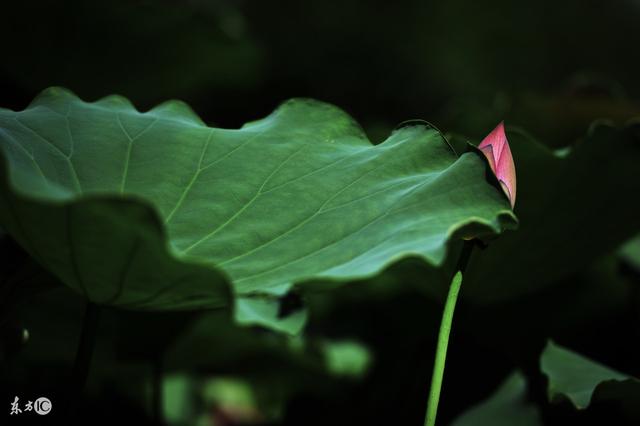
[(443, 336)]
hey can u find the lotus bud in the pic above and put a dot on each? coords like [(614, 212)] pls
[(496, 148)]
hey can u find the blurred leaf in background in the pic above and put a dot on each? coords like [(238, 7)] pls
[(507, 406), (583, 381)]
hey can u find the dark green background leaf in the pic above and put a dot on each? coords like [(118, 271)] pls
[(506, 407), (582, 380)]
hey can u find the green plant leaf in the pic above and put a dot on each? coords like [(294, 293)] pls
[(265, 311), (507, 406), (581, 380), (156, 210)]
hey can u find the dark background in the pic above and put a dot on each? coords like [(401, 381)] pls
[(549, 67)]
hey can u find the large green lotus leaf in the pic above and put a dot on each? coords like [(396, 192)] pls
[(156, 210), (582, 381), (574, 207), (507, 406)]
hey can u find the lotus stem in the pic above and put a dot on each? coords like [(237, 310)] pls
[(443, 335)]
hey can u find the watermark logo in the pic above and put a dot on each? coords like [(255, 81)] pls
[(41, 406)]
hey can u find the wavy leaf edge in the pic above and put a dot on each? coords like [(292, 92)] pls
[(181, 112)]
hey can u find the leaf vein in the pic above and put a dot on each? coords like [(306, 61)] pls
[(72, 168), (247, 205), (304, 222), (191, 182)]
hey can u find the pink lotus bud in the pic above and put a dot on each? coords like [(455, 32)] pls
[(496, 148)]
